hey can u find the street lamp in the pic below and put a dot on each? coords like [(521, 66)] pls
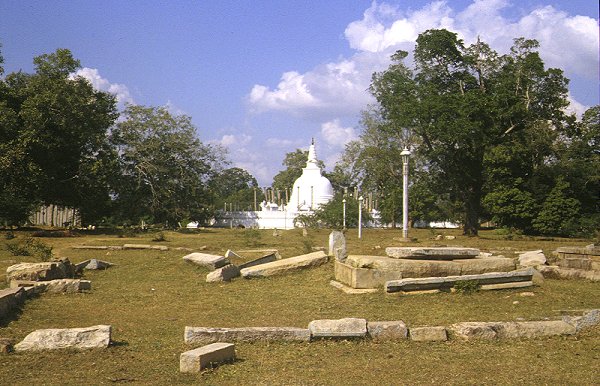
[(405, 155), (360, 201), (344, 211)]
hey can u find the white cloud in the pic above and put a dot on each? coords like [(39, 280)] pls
[(334, 134), (230, 140), (575, 107), (279, 142), (339, 89), (99, 83)]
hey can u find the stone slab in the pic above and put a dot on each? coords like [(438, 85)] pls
[(146, 246), (511, 330), (206, 356), (338, 328), (205, 335), (385, 331), (285, 265), (499, 286), (60, 338), (432, 253), (445, 283), (352, 291), (428, 334), (261, 260), (54, 286), (555, 272), (206, 260), (225, 273)]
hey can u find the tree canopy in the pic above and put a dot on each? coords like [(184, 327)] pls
[(461, 103)]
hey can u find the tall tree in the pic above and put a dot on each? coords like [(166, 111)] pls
[(235, 186), (54, 138), (464, 101), (165, 168)]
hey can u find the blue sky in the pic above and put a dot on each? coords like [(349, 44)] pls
[(263, 77)]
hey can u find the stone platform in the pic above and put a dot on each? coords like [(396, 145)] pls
[(360, 271), (585, 258)]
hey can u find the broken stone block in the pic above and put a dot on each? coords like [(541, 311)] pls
[(285, 265), (387, 331), (338, 328), (10, 299), (206, 260), (59, 338), (48, 270), (512, 330), (225, 273), (195, 360), (428, 334)]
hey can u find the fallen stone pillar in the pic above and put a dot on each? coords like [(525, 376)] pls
[(447, 282), (205, 335), (285, 265)]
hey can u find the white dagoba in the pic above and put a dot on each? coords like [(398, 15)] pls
[(311, 189)]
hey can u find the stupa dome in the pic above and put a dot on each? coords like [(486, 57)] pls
[(311, 189)]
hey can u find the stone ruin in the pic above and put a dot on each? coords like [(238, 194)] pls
[(371, 272)]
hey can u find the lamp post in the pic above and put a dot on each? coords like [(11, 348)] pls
[(405, 155), (344, 214), (360, 201)]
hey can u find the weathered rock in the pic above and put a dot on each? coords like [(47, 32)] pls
[(11, 299), (431, 253), (225, 273), (276, 232), (6, 345), (387, 331), (555, 272), (285, 265), (54, 286), (337, 245), (93, 264), (512, 330), (589, 319), (205, 335), (338, 328), (532, 258), (195, 360), (76, 338), (206, 260), (428, 334), (450, 237), (99, 247), (445, 283), (49, 270), (261, 260)]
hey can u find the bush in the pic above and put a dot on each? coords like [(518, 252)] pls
[(160, 236), (467, 287), (30, 247)]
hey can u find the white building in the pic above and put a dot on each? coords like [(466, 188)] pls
[(310, 191)]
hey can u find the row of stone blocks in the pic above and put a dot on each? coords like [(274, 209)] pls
[(380, 331)]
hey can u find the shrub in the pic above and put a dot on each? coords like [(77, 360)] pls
[(467, 287), (160, 236), (30, 247)]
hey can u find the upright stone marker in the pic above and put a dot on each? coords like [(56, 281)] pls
[(337, 245)]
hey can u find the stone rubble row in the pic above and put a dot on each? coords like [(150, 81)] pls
[(379, 331)]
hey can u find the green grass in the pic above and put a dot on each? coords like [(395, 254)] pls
[(150, 296)]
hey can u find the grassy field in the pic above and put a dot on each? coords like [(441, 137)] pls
[(150, 296)]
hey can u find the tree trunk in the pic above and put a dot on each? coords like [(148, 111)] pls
[(472, 209)]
